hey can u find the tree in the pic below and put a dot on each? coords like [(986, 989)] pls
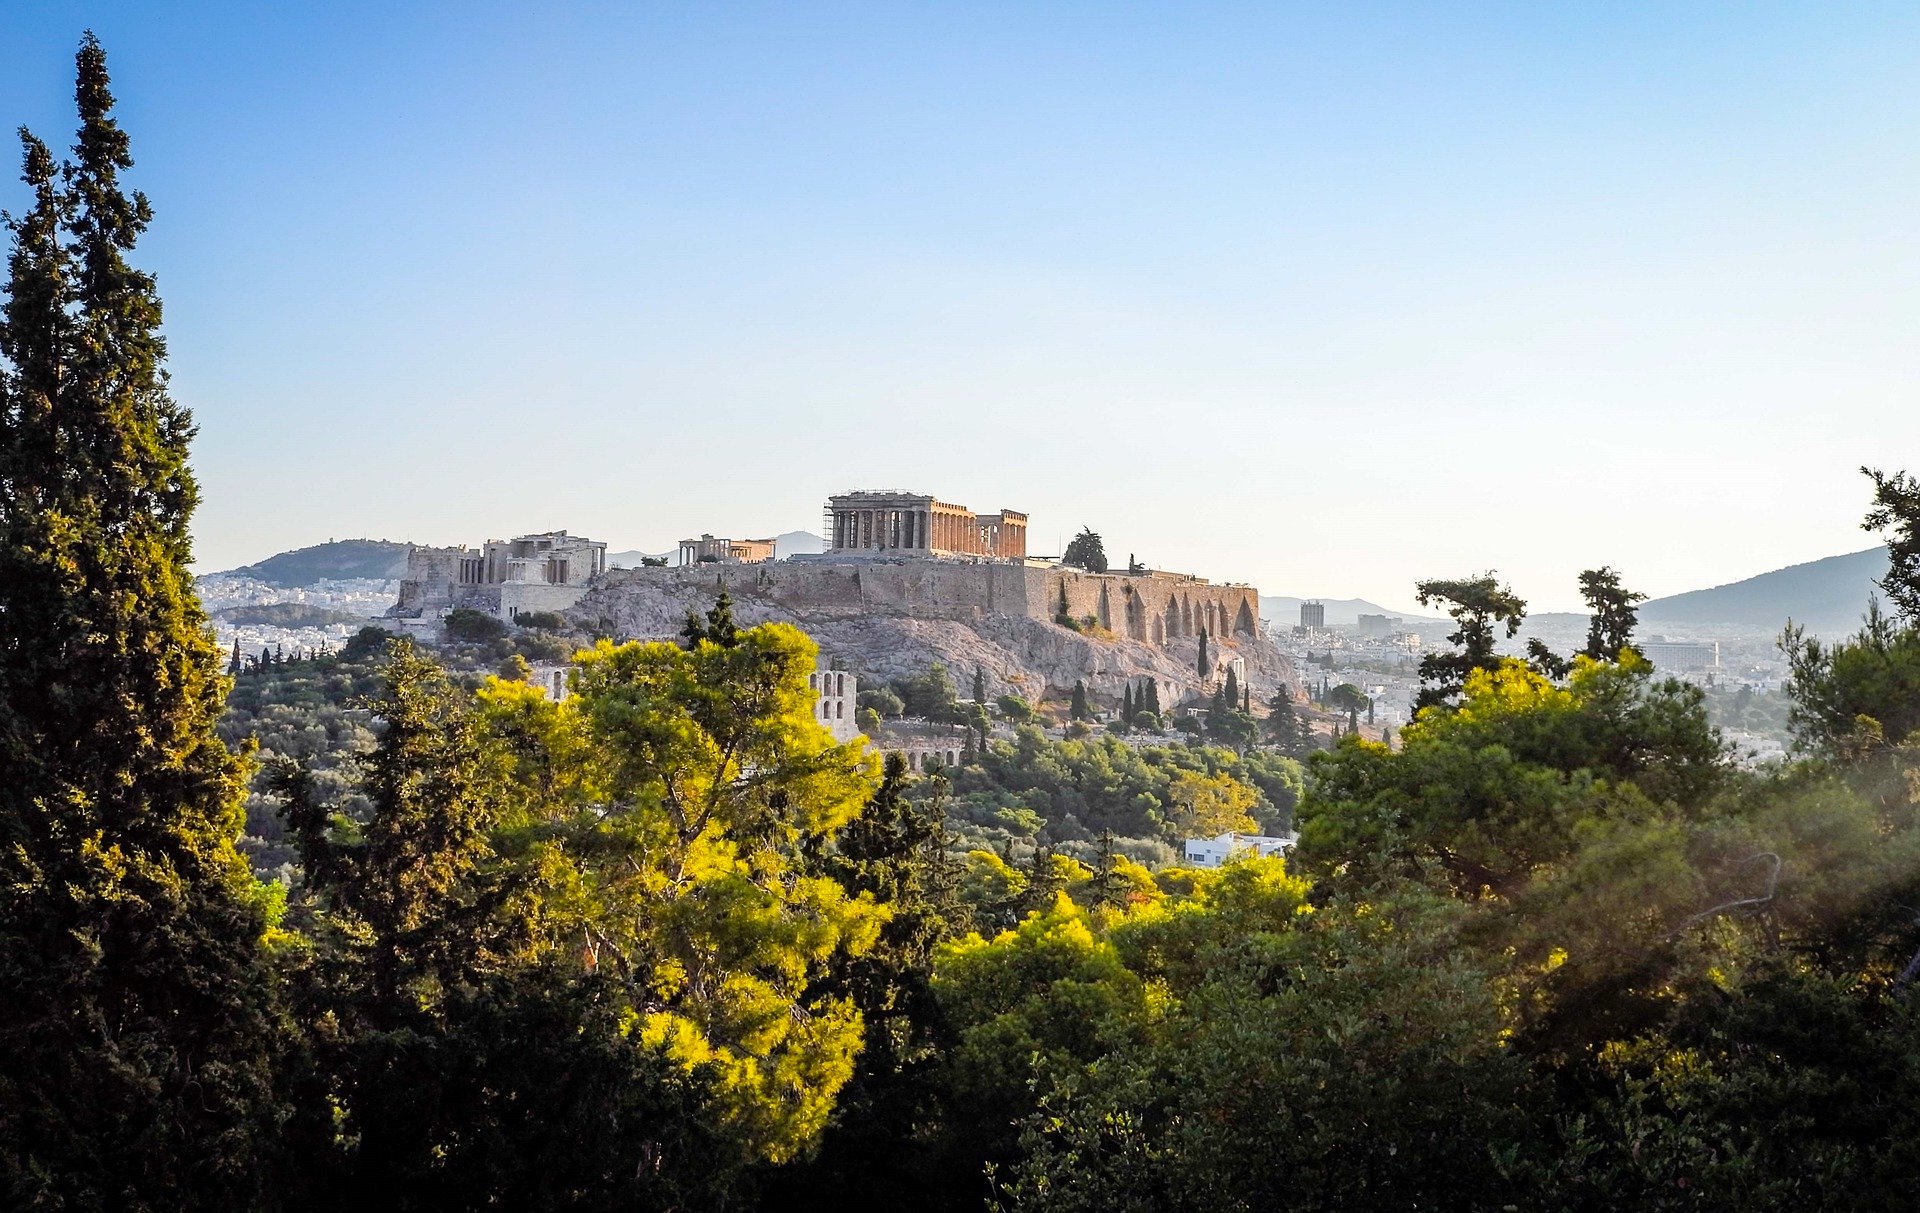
[(885, 854), (1283, 725), (1153, 696), (979, 687), (1126, 705), (1350, 699), (1086, 552), (717, 628), (1231, 692), (1896, 509), (1208, 805), (134, 1029), (673, 855), (473, 627), (1613, 615), (1203, 664), (1478, 605), (1079, 710)]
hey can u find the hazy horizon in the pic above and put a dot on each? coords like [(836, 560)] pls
[(1323, 302)]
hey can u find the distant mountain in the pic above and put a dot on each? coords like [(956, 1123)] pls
[(336, 560), (633, 559), (1822, 595), (798, 543), (1282, 611)]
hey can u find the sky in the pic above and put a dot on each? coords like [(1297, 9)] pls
[(1324, 298)]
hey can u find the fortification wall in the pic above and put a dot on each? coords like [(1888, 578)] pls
[(1152, 609)]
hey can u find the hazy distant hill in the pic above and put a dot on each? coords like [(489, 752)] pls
[(1823, 595), (338, 560)]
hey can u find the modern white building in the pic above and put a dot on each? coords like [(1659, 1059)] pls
[(1212, 852)]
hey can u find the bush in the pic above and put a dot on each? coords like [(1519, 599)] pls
[(1014, 708), (882, 700), (474, 627), (545, 620), (366, 642)]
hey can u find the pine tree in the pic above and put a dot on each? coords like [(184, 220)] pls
[(1282, 724), (1109, 886), (134, 1028), (718, 626)]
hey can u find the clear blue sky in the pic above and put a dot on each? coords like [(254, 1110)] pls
[(1322, 297)]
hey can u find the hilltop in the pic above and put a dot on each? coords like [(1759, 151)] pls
[(335, 560), (1826, 595)]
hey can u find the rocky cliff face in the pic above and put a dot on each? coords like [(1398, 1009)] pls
[(1037, 659)]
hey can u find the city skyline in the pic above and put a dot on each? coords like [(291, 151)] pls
[(1323, 303)]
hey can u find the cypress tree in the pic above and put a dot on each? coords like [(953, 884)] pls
[(1079, 710), (1126, 705), (233, 666), (134, 1029), (1153, 696), (979, 687), (1232, 689), (1203, 665)]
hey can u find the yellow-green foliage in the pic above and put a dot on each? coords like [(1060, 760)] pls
[(658, 817)]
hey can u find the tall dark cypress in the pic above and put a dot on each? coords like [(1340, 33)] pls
[(133, 1029)]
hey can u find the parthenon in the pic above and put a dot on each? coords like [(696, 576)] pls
[(914, 523)]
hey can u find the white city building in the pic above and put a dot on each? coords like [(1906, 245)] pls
[(1212, 852)]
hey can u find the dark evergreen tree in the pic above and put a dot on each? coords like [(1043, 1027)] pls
[(717, 627), (1231, 692), (1079, 710), (1109, 886), (1282, 725), (234, 665), (1153, 696), (1896, 509), (1086, 551), (1479, 607), (1613, 613), (1126, 705), (979, 687), (1203, 665), (134, 1025)]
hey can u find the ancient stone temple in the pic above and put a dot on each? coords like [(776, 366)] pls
[(909, 524), (504, 577), (708, 550)]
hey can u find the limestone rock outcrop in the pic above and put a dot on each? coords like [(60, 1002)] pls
[(885, 620)]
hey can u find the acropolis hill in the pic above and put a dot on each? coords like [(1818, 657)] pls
[(909, 580)]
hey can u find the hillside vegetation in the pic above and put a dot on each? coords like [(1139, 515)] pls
[(339, 560)]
